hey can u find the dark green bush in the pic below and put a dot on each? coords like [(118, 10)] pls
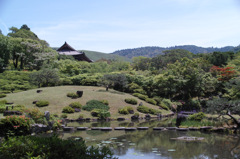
[(42, 103), (151, 101), (101, 114), (131, 101), (95, 104), (162, 105), (197, 116), (50, 147), (167, 102), (72, 95), (2, 108), (140, 91), (126, 110), (104, 102), (68, 109), (14, 126), (76, 105), (157, 99), (2, 95)]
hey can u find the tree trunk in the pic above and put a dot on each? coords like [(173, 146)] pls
[(234, 119)]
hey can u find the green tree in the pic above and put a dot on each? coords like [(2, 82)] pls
[(24, 26), (117, 81), (45, 77), (4, 52), (141, 63)]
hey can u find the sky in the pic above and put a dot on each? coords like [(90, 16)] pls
[(110, 25)]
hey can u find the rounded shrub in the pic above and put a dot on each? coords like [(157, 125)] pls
[(143, 97), (72, 95), (42, 103), (163, 106), (76, 105), (140, 91), (131, 101), (136, 94), (95, 112), (68, 109), (123, 111), (197, 116), (2, 95), (101, 114), (151, 101), (104, 102), (143, 109), (64, 116), (136, 115)]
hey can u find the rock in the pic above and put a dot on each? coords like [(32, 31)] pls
[(131, 112), (95, 128), (171, 128), (47, 115), (7, 113), (182, 129), (39, 128), (134, 117), (205, 128), (68, 128), (147, 117), (79, 93), (119, 128), (130, 129), (34, 102), (39, 91), (193, 128), (142, 128), (106, 129), (82, 128), (77, 110), (120, 119)]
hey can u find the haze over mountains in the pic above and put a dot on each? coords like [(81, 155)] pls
[(152, 51)]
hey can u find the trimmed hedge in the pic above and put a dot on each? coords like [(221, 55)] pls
[(198, 116), (68, 109), (104, 102), (42, 103), (101, 114), (95, 104), (76, 105), (146, 110), (126, 110), (2, 95), (131, 101), (151, 101)]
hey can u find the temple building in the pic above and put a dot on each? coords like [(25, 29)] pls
[(66, 49)]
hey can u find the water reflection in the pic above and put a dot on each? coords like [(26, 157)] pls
[(158, 144)]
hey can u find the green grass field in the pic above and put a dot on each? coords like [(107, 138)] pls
[(57, 99)]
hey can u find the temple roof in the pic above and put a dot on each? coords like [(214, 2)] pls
[(66, 49)]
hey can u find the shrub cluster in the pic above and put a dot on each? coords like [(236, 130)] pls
[(72, 95), (64, 116), (126, 110), (50, 147), (197, 116), (42, 103), (68, 109), (151, 101), (76, 105), (36, 115), (146, 110), (14, 126), (101, 114), (131, 101), (95, 104)]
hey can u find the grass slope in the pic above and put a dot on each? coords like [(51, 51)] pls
[(94, 55), (57, 99)]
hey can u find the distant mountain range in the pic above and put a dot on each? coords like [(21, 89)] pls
[(154, 50)]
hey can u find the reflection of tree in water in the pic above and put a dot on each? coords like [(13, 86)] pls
[(95, 132)]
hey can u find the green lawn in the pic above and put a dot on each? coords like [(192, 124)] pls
[(57, 99)]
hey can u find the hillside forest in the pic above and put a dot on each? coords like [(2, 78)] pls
[(175, 80)]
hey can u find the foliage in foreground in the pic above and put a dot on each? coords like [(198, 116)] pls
[(50, 147)]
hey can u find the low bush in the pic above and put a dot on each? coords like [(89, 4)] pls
[(2, 95), (126, 110), (101, 114), (64, 116), (3, 101), (131, 101), (72, 95), (151, 101), (157, 99), (95, 112), (104, 102), (68, 109), (36, 115), (14, 126), (76, 105), (42, 103), (2, 108), (136, 94), (136, 115), (143, 97), (95, 104), (53, 147), (140, 91), (81, 116), (166, 103), (146, 110), (197, 116)]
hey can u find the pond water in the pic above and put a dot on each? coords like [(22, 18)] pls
[(155, 144)]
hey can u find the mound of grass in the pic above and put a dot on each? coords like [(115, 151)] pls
[(2, 95), (95, 104), (126, 110), (76, 105), (68, 109), (146, 110), (72, 95), (151, 101)]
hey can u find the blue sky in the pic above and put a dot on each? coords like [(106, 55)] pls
[(110, 25)]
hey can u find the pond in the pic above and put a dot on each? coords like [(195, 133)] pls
[(157, 144)]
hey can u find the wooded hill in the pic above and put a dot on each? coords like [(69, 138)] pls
[(154, 50)]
